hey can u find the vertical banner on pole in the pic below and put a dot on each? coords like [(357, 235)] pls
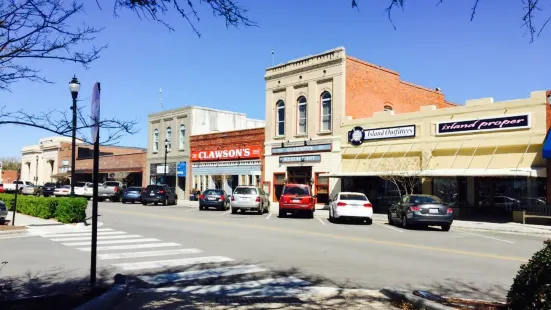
[(95, 115)]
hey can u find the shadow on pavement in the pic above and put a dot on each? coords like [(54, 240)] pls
[(454, 288)]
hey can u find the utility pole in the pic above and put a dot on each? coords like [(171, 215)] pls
[(95, 176)]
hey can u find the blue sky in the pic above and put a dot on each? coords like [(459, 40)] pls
[(432, 46)]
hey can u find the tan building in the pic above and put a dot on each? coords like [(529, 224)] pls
[(307, 98), (485, 158), (40, 163)]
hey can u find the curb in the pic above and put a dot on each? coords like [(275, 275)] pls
[(110, 298), (14, 232), (421, 303)]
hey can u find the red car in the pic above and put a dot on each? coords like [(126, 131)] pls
[(297, 198), (1, 188)]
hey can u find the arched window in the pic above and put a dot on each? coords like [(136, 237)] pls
[(280, 118), (182, 137), (155, 140), (302, 116), (326, 111), (388, 108), (169, 138)]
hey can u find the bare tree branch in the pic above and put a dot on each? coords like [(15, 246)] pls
[(40, 29)]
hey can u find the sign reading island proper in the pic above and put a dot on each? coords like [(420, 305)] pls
[(510, 122)]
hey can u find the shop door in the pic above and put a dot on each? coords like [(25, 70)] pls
[(299, 175)]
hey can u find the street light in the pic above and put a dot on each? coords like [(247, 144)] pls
[(166, 152), (36, 177), (74, 87)]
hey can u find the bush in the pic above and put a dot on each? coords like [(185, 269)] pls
[(531, 289), (65, 210)]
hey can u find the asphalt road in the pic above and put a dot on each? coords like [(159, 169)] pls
[(277, 253)]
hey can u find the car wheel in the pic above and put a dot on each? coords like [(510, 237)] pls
[(446, 227), (331, 218), (390, 221), (260, 210), (282, 213), (311, 214), (404, 222), (144, 203), (368, 221), (123, 201), (200, 208), (233, 210)]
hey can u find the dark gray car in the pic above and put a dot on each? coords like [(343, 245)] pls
[(214, 198), (3, 212), (421, 210)]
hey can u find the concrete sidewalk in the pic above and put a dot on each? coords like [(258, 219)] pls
[(38, 226)]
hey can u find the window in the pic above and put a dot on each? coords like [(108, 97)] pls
[(326, 111), (169, 138), (301, 116), (388, 108), (182, 137), (245, 191), (353, 197), (280, 118), (155, 141), (296, 190)]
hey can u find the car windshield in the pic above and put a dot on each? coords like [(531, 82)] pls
[(296, 190), (66, 186), (111, 183), (425, 199), (213, 192), (134, 189), (245, 191), (49, 184), (153, 187), (80, 184), (353, 197)]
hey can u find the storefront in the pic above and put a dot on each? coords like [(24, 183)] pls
[(484, 158)]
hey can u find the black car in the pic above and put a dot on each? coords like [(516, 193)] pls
[(159, 194), (215, 198), (421, 210), (48, 189)]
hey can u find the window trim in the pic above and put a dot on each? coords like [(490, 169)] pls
[(169, 138), (305, 104), (155, 141), (321, 130), (278, 107), (182, 140), (388, 107)]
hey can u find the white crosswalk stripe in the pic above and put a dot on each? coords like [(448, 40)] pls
[(147, 254), (101, 242), (99, 238), (80, 234), (53, 234), (173, 262), (131, 246), (201, 274)]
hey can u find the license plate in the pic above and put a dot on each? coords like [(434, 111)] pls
[(296, 200), (210, 198), (152, 194), (434, 211)]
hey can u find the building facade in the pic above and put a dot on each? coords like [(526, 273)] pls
[(40, 163), (225, 160), (169, 134), (483, 158), (307, 98)]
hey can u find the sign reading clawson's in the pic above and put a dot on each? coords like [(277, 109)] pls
[(508, 122), (226, 154), (358, 135)]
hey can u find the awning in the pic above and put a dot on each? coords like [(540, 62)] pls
[(546, 149), (526, 172)]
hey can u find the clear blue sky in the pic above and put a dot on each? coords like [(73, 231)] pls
[(432, 46)]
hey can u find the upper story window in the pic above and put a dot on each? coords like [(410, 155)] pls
[(169, 138), (182, 137), (155, 140), (326, 111), (302, 116), (280, 118), (388, 108)]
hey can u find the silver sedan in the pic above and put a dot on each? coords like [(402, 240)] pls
[(247, 198)]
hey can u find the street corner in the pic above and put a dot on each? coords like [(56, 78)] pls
[(8, 230)]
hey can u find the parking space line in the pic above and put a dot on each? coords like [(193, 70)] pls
[(483, 236), (225, 212), (321, 221), (190, 210), (390, 227), (267, 217)]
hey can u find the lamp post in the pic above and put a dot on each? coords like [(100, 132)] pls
[(36, 174), (74, 87), (166, 153)]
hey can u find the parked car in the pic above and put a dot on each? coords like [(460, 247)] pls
[(111, 190), (63, 191), (10, 188), (421, 210), (248, 198), (3, 212), (48, 189), (132, 194), (32, 190), (349, 205), (87, 191), (159, 194), (79, 188), (214, 198), (297, 198), (1, 188)]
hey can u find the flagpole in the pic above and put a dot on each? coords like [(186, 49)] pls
[(95, 177)]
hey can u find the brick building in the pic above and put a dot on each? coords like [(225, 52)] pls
[(224, 160), (306, 100)]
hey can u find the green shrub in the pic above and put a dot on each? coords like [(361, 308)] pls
[(531, 289), (8, 200), (71, 210)]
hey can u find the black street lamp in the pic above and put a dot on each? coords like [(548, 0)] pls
[(74, 87), (36, 175), (166, 153)]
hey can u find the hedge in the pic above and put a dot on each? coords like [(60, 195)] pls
[(65, 209)]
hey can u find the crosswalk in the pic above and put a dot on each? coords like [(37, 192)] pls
[(151, 258)]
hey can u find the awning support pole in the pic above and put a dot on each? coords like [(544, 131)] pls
[(526, 151), (358, 163), (368, 157), (456, 152), (388, 148), (491, 158), (342, 158), (472, 156)]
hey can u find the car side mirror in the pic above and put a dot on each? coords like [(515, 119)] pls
[(315, 196)]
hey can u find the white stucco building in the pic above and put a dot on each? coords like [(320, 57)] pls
[(39, 163)]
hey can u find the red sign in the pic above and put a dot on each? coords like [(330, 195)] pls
[(225, 154)]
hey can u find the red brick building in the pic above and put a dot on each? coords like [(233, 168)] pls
[(224, 160)]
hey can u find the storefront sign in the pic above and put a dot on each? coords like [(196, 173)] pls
[(302, 149), (161, 169), (181, 169), (225, 154), (358, 135), (484, 124), (296, 159)]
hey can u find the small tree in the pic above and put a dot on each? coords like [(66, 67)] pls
[(404, 173)]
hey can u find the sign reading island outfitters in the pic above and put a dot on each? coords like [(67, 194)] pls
[(358, 135), (484, 124), (226, 154)]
